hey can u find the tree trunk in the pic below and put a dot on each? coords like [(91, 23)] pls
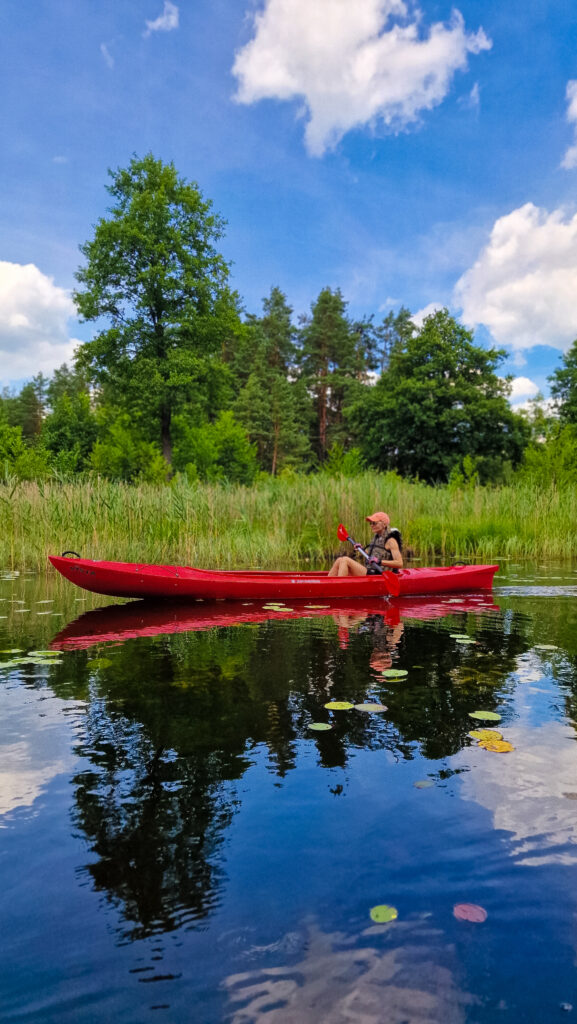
[(165, 422)]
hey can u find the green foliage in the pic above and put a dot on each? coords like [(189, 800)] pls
[(331, 360), (214, 451), (71, 428), (18, 459), (342, 463), (564, 385), (121, 454), (553, 461), (439, 401), (153, 272)]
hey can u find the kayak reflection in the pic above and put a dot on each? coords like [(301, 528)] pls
[(383, 618)]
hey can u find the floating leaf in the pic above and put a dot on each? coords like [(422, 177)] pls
[(546, 647), (485, 716), (12, 650), (469, 912), (395, 673), (320, 726), (96, 663), (370, 707), (497, 746), (459, 636), (423, 784), (462, 640), (339, 705), (45, 654), (383, 913), (317, 605), (485, 734)]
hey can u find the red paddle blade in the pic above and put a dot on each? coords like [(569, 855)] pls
[(392, 583), (342, 532)]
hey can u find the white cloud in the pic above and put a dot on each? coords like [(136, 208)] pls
[(522, 387), (524, 283), (34, 314), (166, 22), (353, 63), (421, 315), (107, 56), (570, 159)]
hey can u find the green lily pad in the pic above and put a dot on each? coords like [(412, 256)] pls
[(462, 640), (423, 784), (485, 716), (96, 663), (546, 647), (12, 650), (320, 726), (45, 654), (339, 705), (317, 605), (383, 913), (368, 707), (459, 636), (395, 673)]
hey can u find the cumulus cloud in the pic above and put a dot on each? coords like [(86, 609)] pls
[(570, 159), (166, 22), (421, 315), (353, 64), (34, 314), (522, 387), (524, 283)]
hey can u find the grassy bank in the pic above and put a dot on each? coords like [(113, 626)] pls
[(277, 522)]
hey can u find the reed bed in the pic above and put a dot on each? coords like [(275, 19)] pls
[(278, 523)]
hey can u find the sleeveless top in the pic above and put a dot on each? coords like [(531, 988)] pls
[(377, 549)]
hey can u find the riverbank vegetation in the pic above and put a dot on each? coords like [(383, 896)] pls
[(190, 430), (279, 523)]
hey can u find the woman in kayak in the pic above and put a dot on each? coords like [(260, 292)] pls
[(384, 550)]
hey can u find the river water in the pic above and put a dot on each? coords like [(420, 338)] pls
[(177, 844)]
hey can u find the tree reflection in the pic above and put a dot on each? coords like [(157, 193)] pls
[(173, 721)]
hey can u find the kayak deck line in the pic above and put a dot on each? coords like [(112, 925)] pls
[(139, 579)]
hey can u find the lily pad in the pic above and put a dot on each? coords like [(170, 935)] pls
[(12, 650), (371, 707), (317, 605), (470, 912), (497, 746), (459, 636), (462, 640), (485, 716), (96, 663), (485, 734), (45, 654), (339, 705), (546, 647), (395, 673), (320, 726), (383, 913), (423, 784)]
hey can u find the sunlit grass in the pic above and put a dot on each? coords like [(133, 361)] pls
[(278, 523)]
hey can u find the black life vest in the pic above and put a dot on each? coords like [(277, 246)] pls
[(377, 549)]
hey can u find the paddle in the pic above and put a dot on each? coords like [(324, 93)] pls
[(392, 582)]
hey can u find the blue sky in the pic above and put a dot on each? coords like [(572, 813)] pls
[(412, 154)]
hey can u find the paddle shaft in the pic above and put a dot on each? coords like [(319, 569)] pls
[(392, 583)]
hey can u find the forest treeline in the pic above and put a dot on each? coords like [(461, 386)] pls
[(179, 381)]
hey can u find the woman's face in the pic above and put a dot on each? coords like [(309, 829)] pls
[(378, 527)]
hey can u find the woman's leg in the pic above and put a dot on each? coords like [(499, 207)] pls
[(346, 566)]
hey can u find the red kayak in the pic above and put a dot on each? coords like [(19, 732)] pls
[(128, 579)]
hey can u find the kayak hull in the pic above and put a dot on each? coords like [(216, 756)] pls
[(131, 579)]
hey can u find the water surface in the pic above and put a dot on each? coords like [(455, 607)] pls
[(178, 845)]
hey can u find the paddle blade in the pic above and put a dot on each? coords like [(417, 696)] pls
[(392, 583), (342, 532)]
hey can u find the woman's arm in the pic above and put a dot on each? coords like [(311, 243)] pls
[(397, 559)]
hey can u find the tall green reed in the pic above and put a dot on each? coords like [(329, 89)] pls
[(277, 523)]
